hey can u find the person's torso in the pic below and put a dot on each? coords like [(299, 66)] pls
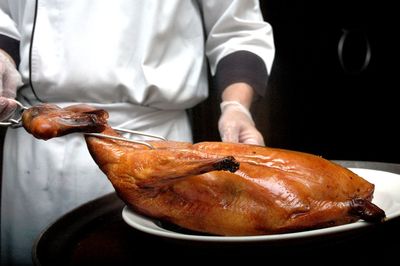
[(148, 53)]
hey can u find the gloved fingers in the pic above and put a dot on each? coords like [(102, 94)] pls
[(250, 135), (238, 127), (10, 83), (10, 78), (229, 130), (7, 108)]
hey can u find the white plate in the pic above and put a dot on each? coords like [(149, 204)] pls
[(386, 196)]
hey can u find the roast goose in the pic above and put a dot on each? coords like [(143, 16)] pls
[(213, 187)]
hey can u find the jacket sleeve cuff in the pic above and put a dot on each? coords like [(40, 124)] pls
[(11, 46), (242, 66)]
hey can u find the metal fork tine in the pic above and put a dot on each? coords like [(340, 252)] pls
[(128, 140), (121, 139), (20, 104), (138, 133), (15, 122)]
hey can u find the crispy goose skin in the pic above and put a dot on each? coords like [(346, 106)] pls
[(202, 187), (47, 121), (273, 191)]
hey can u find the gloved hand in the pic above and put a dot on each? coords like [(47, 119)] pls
[(237, 125), (10, 80)]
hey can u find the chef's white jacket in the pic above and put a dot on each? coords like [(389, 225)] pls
[(145, 62)]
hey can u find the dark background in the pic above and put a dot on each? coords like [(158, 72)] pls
[(342, 107)]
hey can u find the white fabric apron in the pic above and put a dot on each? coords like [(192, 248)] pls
[(45, 179)]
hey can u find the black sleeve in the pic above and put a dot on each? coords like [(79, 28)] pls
[(242, 66), (11, 46)]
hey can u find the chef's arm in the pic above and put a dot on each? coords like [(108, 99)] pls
[(10, 78), (239, 92), (10, 48), (236, 123), (239, 77), (240, 51)]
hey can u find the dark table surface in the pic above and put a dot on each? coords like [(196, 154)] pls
[(96, 234)]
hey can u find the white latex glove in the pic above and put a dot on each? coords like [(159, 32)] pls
[(10, 80), (237, 125)]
